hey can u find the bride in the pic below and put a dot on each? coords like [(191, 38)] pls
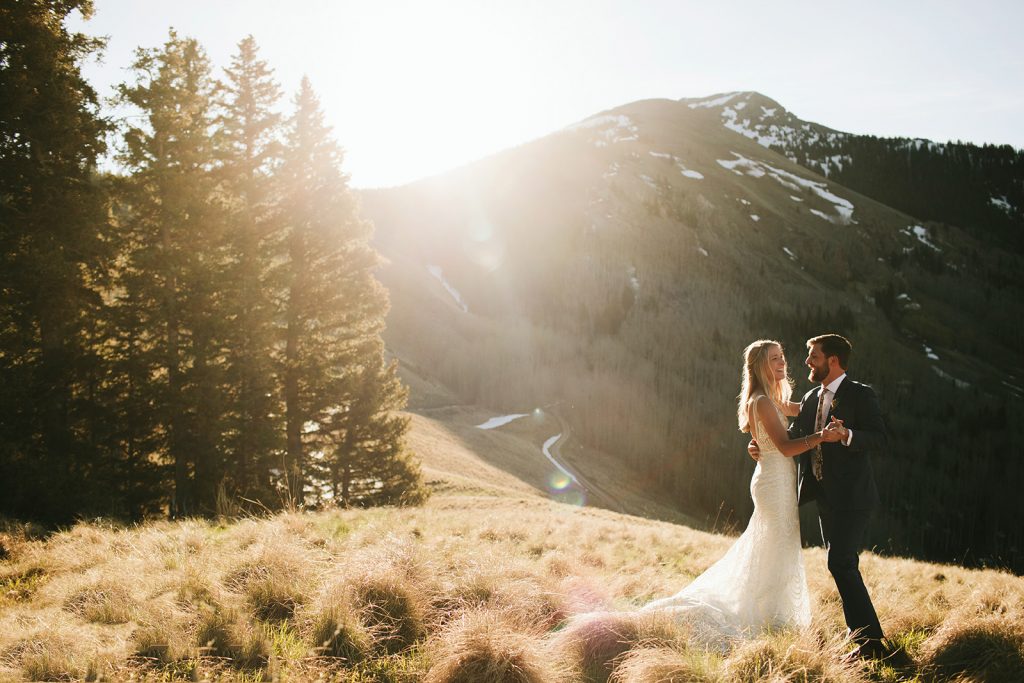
[(760, 582)]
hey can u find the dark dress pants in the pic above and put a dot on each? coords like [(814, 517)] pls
[(843, 533)]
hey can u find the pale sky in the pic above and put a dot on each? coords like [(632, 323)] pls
[(414, 88)]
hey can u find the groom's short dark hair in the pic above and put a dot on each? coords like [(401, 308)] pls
[(833, 345)]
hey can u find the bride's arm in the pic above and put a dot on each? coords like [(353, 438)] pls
[(788, 447), (790, 409)]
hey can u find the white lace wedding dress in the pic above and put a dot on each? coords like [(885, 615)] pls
[(760, 582)]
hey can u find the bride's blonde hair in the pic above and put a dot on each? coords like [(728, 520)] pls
[(758, 378)]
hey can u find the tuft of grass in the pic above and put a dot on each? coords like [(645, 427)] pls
[(161, 639), (47, 656), (223, 634), (593, 643), (985, 648), (790, 656), (392, 610), (19, 586), (195, 592), (103, 602), (481, 646), (515, 593), (333, 630), (667, 665), (272, 590)]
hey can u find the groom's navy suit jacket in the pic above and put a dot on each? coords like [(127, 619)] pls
[(847, 481)]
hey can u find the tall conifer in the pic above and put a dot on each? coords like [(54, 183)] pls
[(249, 152), (174, 261), (332, 362), (53, 257)]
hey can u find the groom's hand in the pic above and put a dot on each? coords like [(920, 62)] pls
[(754, 450), (834, 431)]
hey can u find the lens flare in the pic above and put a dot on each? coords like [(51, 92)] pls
[(559, 481), (572, 496)]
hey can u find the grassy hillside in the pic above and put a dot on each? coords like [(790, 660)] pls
[(489, 581)]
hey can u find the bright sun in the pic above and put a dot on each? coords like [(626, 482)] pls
[(442, 68)]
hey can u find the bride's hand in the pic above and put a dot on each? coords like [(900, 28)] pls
[(834, 431), (754, 450)]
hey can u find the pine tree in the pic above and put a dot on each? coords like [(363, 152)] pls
[(171, 277), (337, 392), (369, 464), (249, 154), (53, 255)]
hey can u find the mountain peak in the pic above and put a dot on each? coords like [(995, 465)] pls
[(736, 98), (768, 123)]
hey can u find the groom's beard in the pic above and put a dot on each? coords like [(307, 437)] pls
[(818, 373)]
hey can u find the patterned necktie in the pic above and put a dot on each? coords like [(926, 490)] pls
[(818, 424)]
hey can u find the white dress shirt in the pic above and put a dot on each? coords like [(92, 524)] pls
[(830, 392)]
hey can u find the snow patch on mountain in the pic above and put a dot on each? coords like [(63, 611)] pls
[(789, 253), (773, 127), (687, 172), (843, 207), (495, 422), (610, 128), (754, 217), (437, 272), (921, 233), (959, 383), (908, 303), (1001, 203), (713, 102), (748, 166)]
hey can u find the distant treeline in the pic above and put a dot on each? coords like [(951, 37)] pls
[(978, 188), (200, 331)]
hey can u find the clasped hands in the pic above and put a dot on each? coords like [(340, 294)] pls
[(833, 432)]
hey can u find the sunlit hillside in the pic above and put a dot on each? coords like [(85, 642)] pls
[(489, 581), (612, 272)]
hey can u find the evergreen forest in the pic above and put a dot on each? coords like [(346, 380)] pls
[(198, 330)]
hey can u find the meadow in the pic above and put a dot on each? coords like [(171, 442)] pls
[(471, 586)]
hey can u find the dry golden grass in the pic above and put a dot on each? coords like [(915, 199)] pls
[(466, 588), (484, 646)]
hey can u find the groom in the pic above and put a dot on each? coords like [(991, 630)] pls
[(838, 477)]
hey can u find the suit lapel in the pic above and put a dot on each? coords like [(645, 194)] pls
[(835, 399)]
